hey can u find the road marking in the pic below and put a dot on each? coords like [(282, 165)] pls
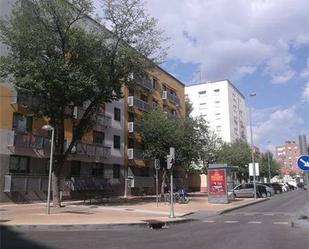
[(209, 221), (281, 223), (269, 214), (254, 222), (231, 221)]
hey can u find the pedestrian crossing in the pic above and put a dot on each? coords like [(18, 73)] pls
[(252, 218)]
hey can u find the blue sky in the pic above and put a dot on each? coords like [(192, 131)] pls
[(261, 46)]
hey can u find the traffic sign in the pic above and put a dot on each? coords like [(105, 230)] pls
[(157, 164), (303, 163)]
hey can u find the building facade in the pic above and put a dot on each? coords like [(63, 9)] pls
[(159, 90), (108, 159), (222, 105), (287, 155)]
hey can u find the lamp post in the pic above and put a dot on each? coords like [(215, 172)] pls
[(252, 151), (268, 162), (49, 128)]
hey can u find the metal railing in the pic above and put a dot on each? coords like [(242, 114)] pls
[(145, 82), (134, 127), (94, 150), (171, 97), (25, 100), (141, 182), (28, 140), (132, 101), (102, 121), (135, 154)]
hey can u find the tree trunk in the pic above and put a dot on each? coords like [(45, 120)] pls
[(56, 186)]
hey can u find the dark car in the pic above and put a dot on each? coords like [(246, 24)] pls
[(277, 187)]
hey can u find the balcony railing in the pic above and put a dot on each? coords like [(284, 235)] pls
[(171, 97), (141, 182), (135, 102), (93, 150), (135, 154), (145, 82), (102, 121), (134, 127), (25, 100), (28, 140)]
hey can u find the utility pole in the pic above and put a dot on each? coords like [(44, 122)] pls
[(252, 151), (268, 160), (170, 163)]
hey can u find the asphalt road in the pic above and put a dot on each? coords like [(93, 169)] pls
[(265, 225)]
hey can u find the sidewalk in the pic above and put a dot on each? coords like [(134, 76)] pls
[(119, 211)]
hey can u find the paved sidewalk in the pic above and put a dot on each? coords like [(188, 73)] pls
[(128, 211)]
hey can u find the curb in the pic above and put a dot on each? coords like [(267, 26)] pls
[(89, 227), (241, 206)]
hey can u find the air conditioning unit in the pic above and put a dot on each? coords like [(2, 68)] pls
[(131, 127), (130, 101), (75, 112), (130, 154), (164, 95)]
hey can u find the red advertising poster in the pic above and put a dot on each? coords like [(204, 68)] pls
[(216, 182)]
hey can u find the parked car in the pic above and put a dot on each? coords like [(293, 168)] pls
[(277, 187), (247, 190), (291, 187), (269, 189)]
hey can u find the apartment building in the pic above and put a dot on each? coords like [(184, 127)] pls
[(222, 105), (108, 159), (159, 90), (287, 154)]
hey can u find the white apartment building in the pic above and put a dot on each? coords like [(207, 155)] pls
[(222, 105)]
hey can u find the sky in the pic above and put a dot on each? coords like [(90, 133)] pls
[(262, 46)]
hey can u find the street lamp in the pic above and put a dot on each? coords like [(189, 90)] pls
[(49, 128), (268, 161), (252, 151)]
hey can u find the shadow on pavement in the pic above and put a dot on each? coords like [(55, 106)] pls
[(10, 239)]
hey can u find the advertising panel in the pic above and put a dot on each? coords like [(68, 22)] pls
[(217, 182)]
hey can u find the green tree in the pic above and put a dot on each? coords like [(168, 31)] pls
[(64, 59), (263, 163), (238, 154), (194, 145)]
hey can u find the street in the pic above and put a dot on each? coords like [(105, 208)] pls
[(264, 225)]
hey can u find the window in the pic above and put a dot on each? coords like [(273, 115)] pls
[(19, 164), (204, 103), (201, 93), (116, 142), (217, 90), (75, 168), (164, 88), (21, 123), (117, 114), (154, 83), (98, 169), (98, 137), (144, 172), (116, 171)]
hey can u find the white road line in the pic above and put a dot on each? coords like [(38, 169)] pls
[(231, 221), (209, 221), (254, 222), (281, 223)]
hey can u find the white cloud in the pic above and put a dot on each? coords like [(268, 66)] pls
[(232, 40), (305, 72), (273, 126), (305, 94)]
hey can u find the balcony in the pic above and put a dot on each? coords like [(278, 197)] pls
[(171, 97), (138, 103), (25, 100), (96, 152), (28, 140), (135, 154), (141, 182), (134, 127), (102, 122), (145, 83)]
